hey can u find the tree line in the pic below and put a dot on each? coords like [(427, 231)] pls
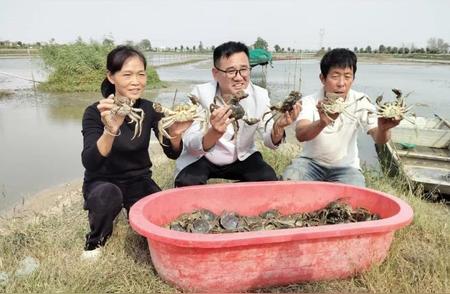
[(434, 46)]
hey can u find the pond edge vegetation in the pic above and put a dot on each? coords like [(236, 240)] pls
[(80, 67)]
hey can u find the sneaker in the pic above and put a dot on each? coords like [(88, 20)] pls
[(91, 255)]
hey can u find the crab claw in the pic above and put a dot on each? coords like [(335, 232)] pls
[(397, 92), (194, 99), (378, 100), (241, 95), (158, 107), (251, 121)]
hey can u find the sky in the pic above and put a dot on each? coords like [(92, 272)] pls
[(289, 23)]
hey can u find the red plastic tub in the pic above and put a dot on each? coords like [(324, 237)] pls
[(242, 261)]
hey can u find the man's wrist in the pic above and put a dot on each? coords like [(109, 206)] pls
[(215, 133), (277, 131), (322, 124)]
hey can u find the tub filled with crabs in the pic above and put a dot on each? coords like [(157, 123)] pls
[(242, 236)]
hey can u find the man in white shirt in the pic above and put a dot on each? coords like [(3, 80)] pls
[(330, 151), (219, 152)]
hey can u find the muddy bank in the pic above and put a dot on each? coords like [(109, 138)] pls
[(47, 201)]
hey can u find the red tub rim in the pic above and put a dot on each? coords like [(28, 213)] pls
[(157, 233)]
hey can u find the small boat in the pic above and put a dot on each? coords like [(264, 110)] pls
[(420, 152)]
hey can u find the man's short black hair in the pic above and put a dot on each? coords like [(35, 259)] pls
[(227, 49), (339, 57)]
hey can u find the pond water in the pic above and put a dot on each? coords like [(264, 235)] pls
[(40, 134)]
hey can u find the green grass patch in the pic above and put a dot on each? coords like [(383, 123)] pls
[(18, 51), (5, 93), (80, 67), (418, 260)]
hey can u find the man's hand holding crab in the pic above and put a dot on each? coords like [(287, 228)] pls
[(285, 120), (325, 118), (219, 120), (385, 124)]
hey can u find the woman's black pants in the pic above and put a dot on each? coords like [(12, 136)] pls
[(105, 199)]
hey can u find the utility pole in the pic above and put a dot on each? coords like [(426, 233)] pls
[(321, 37)]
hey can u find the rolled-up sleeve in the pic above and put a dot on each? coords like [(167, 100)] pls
[(369, 115), (266, 130), (92, 130)]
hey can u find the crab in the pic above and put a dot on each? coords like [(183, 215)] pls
[(396, 109), (206, 222), (237, 111), (124, 106), (335, 104), (200, 221), (230, 221), (179, 113), (283, 106)]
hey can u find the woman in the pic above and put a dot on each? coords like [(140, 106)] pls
[(116, 160)]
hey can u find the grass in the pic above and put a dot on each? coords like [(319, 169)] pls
[(18, 52), (5, 93), (80, 67), (418, 260)]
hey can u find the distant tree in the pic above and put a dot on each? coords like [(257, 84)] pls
[(129, 43), (213, 48), (145, 45), (181, 48), (388, 50), (187, 48), (277, 48), (394, 50), (289, 49), (20, 44), (193, 48), (200, 47), (261, 43), (175, 49), (381, 49), (403, 50), (355, 49), (368, 49), (108, 42), (437, 45)]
